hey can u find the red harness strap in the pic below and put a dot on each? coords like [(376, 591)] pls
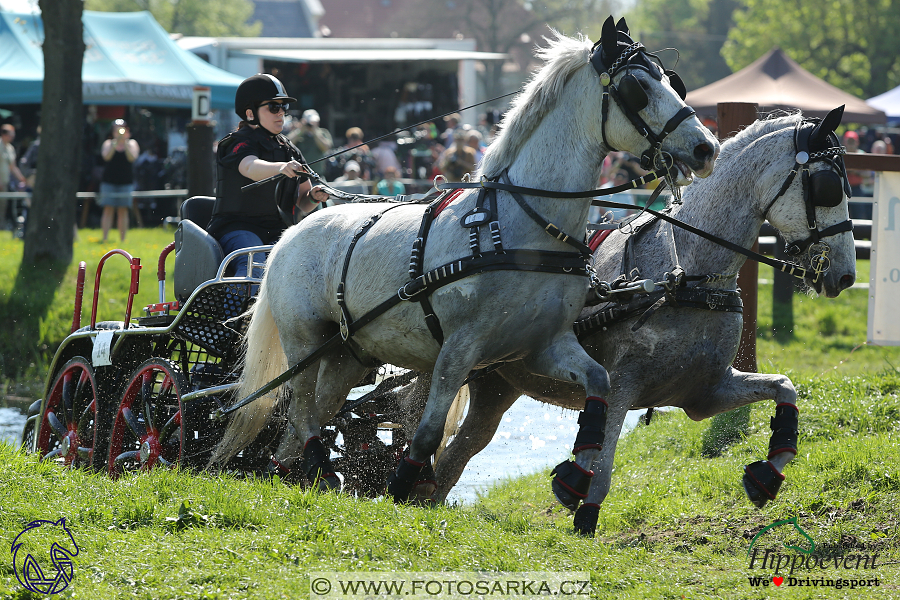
[(446, 202), (597, 238)]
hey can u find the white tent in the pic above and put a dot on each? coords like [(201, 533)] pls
[(889, 102)]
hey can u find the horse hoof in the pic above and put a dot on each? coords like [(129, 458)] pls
[(571, 483), (761, 482), (586, 519), (423, 490), (400, 483), (327, 482)]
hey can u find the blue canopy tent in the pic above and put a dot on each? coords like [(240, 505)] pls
[(128, 60)]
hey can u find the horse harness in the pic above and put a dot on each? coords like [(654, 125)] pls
[(423, 284), (632, 98), (825, 188)]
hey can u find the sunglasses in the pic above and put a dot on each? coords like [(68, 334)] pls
[(275, 107)]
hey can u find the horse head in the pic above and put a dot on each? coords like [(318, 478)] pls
[(643, 107), (808, 203)]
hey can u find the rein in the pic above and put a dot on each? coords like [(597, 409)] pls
[(783, 266)]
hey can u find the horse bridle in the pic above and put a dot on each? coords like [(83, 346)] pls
[(632, 98), (825, 188)]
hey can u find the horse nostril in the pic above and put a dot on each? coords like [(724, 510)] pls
[(847, 281), (703, 152)]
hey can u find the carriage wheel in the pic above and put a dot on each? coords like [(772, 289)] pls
[(147, 428), (68, 429)]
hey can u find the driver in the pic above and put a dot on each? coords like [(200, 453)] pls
[(257, 150)]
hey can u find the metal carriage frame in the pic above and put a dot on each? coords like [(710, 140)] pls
[(140, 393)]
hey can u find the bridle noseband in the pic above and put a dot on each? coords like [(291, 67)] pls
[(632, 98), (825, 188)]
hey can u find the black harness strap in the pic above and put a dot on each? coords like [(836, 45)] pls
[(687, 297), (342, 303)]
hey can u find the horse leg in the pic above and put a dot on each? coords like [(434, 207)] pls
[(336, 374), (566, 360), (490, 397), (453, 365), (762, 479), (586, 516)]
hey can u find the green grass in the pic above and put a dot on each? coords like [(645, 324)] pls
[(36, 312), (674, 525)]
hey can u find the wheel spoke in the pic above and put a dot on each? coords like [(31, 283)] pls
[(86, 416), (58, 428), (67, 404), (52, 454), (83, 380), (147, 380), (170, 427), (130, 455), (133, 424), (164, 462), (84, 453)]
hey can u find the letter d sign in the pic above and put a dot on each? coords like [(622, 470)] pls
[(200, 105)]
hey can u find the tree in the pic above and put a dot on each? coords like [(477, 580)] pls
[(852, 44), (51, 220), (696, 28), (221, 18)]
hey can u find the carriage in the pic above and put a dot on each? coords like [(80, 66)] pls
[(130, 395)]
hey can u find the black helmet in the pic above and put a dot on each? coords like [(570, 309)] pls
[(257, 89)]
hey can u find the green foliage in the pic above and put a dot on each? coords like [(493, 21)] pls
[(696, 28), (852, 44), (191, 17)]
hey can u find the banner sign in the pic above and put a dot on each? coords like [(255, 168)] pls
[(884, 275)]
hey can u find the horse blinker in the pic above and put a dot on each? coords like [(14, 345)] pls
[(633, 93)]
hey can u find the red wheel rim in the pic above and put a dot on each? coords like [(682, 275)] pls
[(146, 431), (68, 432)]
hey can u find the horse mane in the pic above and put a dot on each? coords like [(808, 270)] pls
[(562, 57), (774, 122)]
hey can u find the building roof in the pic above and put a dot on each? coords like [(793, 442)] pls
[(775, 81)]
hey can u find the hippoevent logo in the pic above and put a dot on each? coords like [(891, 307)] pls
[(42, 556), (799, 565)]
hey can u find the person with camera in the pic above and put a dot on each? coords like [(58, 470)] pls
[(119, 152), (258, 150)]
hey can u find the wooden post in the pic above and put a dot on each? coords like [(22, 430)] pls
[(734, 116), (727, 428)]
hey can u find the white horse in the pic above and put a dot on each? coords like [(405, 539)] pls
[(681, 356), (555, 137)]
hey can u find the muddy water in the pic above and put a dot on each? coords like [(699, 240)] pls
[(531, 437)]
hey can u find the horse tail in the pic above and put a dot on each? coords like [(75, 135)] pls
[(264, 360), (454, 419)]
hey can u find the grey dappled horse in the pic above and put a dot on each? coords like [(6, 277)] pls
[(681, 356), (554, 137)]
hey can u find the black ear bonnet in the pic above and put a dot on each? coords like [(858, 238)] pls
[(825, 187)]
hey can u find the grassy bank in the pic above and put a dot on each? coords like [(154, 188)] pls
[(674, 526)]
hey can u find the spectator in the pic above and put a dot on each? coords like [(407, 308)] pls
[(385, 155), (857, 180), (356, 151), (313, 141), (473, 139), (350, 181), (28, 162), (8, 168), (119, 151), (390, 185), (452, 122), (458, 159)]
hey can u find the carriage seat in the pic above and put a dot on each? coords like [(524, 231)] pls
[(197, 254)]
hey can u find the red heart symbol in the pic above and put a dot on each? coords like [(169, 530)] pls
[(778, 580)]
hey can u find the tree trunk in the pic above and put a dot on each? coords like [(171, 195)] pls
[(50, 231)]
